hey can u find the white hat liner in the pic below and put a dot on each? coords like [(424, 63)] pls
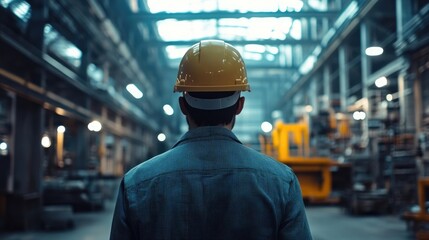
[(211, 104)]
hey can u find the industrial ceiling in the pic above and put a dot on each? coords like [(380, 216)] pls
[(141, 42)]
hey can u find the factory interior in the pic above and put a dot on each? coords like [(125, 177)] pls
[(339, 93)]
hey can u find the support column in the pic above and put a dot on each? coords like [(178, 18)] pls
[(344, 77), (313, 96), (28, 150), (296, 102), (401, 95), (406, 104), (118, 168), (85, 61), (102, 142), (24, 203), (403, 14), (418, 101), (82, 139), (365, 72), (119, 164), (326, 88), (35, 29)]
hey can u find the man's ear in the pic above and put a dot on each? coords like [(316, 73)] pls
[(240, 105), (182, 105)]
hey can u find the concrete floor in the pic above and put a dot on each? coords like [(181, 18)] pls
[(326, 223), (331, 223), (88, 226)]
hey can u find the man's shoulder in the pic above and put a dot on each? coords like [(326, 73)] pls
[(268, 164), (145, 170)]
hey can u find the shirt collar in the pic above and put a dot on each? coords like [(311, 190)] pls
[(207, 132)]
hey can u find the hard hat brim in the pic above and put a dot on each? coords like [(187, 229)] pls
[(185, 88)]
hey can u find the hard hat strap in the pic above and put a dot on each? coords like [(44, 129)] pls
[(211, 104)]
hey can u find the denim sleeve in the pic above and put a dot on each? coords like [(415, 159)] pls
[(295, 225), (121, 230)]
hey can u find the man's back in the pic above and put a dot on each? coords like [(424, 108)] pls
[(210, 186)]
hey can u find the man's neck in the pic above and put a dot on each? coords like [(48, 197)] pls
[(192, 124)]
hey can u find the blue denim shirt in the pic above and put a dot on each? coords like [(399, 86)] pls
[(210, 186)]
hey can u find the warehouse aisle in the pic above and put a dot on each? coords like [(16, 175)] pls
[(331, 223), (88, 226), (327, 223)]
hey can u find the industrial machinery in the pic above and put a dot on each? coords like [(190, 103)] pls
[(417, 218), (290, 144)]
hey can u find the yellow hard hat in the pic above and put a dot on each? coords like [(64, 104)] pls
[(211, 66)]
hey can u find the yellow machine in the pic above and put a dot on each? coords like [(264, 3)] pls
[(291, 145)]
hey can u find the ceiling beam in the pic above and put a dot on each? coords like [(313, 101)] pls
[(270, 73), (251, 68), (224, 14), (306, 42)]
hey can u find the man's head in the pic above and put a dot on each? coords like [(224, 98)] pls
[(211, 76)]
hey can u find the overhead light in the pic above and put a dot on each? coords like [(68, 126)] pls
[(61, 129), (133, 90), (374, 51), (94, 126), (168, 110), (389, 97), (359, 115), (266, 127), (73, 52), (161, 137), (3, 149), (356, 115), (381, 82), (276, 114), (46, 141), (308, 108), (60, 111), (3, 146)]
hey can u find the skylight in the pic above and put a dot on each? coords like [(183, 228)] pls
[(229, 29), (173, 30), (20, 8), (61, 47), (174, 6), (94, 73), (5, 3)]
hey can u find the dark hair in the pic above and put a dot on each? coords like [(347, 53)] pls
[(211, 117)]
